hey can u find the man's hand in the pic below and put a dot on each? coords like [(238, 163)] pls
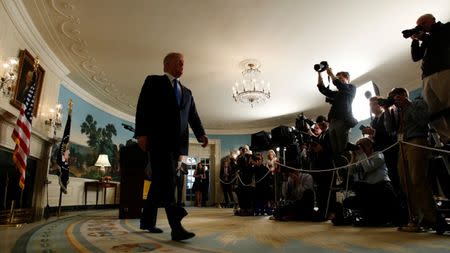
[(142, 142), (204, 140), (330, 73), (180, 161), (418, 36), (368, 131)]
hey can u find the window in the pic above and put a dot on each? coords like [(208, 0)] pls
[(360, 106)]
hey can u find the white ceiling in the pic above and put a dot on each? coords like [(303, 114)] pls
[(110, 46)]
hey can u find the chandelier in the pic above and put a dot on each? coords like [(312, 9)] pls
[(252, 89), (8, 75)]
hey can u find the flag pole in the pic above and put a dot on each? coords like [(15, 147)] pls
[(6, 189), (59, 204), (21, 197), (65, 138)]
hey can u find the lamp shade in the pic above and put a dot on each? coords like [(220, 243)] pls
[(102, 161)]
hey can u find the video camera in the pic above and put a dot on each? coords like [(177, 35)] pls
[(362, 127), (410, 32), (386, 101), (303, 123), (322, 66)]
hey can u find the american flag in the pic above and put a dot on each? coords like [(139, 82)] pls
[(22, 132)]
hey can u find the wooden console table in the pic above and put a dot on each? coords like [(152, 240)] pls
[(99, 185)]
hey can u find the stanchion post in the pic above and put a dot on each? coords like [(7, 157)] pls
[(59, 204)]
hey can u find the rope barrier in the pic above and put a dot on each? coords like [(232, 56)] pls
[(229, 182), (425, 147), (340, 167), (368, 158), (336, 168)]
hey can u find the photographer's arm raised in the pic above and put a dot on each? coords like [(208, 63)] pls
[(324, 90), (319, 79)]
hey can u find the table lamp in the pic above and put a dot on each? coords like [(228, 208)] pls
[(102, 162)]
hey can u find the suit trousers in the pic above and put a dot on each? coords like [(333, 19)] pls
[(338, 136), (180, 185), (162, 190), (413, 171), (436, 92)]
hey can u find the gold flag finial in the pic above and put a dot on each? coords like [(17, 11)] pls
[(70, 106)]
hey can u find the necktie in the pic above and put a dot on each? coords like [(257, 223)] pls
[(177, 90)]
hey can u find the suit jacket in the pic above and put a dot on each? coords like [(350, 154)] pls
[(162, 120), (382, 138), (341, 102)]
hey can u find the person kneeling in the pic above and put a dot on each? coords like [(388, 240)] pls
[(299, 202), (374, 203)]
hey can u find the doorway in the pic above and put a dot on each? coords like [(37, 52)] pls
[(190, 179)]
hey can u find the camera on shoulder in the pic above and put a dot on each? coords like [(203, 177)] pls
[(322, 66), (386, 101), (362, 127)]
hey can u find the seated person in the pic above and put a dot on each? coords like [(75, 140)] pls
[(374, 202), (299, 199)]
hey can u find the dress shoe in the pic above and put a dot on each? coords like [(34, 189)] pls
[(181, 234), (411, 227), (154, 230)]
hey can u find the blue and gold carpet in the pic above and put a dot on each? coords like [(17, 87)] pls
[(218, 230)]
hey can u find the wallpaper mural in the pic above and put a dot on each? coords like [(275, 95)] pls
[(93, 132)]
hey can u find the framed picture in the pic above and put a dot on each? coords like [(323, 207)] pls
[(24, 81)]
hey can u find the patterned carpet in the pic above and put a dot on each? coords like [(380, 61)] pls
[(218, 230)]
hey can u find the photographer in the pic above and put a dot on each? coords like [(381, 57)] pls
[(299, 201), (321, 155), (340, 115), (413, 161), (432, 45), (382, 138), (374, 196)]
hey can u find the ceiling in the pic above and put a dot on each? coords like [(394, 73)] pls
[(110, 46)]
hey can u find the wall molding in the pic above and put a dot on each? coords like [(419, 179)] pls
[(20, 18), (26, 28)]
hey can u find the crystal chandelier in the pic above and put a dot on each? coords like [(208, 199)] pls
[(252, 89), (8, 75)]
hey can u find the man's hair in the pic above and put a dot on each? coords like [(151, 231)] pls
[(170, 56), (366, 142), (344, 74), (374, 98), (427, 16), (321, 119), (398, 91)]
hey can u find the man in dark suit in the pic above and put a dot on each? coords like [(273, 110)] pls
[(164, 110), (340, 115), (383, 139)]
